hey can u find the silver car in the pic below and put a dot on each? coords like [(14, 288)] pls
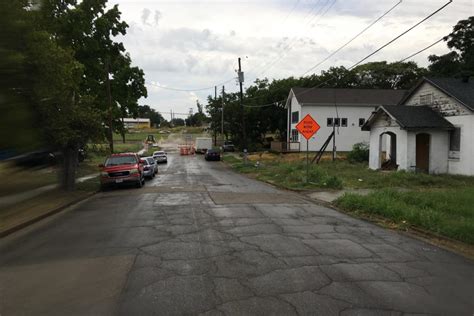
[(160, 156), (150, 167)]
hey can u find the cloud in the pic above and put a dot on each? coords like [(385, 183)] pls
[(157, 17), (145, 15), (194, 47)]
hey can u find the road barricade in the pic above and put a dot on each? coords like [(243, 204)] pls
[(185, 150)]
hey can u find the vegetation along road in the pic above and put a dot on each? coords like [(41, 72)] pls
[(200, 238)]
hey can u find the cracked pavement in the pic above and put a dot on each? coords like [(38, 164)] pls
[(202, 240)]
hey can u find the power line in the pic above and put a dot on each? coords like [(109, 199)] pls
[(190, 89), (422, 50), (334, 77), (353, 38), (400, 35), (289, 46), (307, 18)]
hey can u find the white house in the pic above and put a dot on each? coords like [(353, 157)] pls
[(431, 130), (342, 110)]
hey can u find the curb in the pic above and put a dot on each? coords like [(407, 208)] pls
[(43, 216)]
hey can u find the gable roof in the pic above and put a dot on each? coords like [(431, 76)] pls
[(367, 97), (411, 117), (453, 87)]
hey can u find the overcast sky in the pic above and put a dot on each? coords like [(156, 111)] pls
[(195, 44)]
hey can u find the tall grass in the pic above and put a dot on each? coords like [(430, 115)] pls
[(446, 212)]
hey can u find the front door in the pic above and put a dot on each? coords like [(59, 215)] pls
[(423, 152)]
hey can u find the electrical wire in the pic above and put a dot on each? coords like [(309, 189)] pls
[(400, 35), (353, 38), (421, 50), (334, 77), (350, 41), (190, 89), (289, 46)]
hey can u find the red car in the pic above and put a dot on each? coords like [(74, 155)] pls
[(125, 168)]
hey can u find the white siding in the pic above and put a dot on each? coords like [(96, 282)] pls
[(465, 163), (346, 137), (441, 102)]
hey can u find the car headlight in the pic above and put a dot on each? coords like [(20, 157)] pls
[(104, 174), (133, 171)]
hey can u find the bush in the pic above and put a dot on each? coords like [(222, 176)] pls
[(333, 182), (359, 153)]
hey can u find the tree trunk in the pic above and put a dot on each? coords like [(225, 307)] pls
[(68, 174)]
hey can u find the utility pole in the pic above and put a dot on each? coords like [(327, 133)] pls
[(334, 140), (241, 80), (111, 118), (222, 113), (215, 92)]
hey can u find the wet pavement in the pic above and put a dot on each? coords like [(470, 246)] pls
[(200, 239)]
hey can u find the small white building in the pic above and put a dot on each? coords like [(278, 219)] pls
[(341, 110), (432, 129), (136, 123)]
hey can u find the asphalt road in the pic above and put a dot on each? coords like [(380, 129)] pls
[(202, 239)]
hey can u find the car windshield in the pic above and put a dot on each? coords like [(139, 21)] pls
[(120, 160), (150, 161), (159, 153)]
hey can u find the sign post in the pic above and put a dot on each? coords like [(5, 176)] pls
[(307, 127)]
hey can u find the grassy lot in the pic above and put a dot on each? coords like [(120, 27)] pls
[(16, 180), (447, 212), (290, 172)]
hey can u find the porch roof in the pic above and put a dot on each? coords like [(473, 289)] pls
[(411, 117)]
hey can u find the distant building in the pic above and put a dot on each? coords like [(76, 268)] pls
[(344, 110), (136, 123), (432, 129)]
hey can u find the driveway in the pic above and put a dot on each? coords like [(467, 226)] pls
[(200, 239)]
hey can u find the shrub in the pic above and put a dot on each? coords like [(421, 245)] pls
[(359, 153), (333, 182)]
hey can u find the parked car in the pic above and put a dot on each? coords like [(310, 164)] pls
[(228, 146), (150, 168), (160, 156), (212, 154), (124, 168)]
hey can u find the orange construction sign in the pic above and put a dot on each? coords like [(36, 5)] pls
[(307, 126)]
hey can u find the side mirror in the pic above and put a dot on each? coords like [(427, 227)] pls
[(142, 162), (101, 165)]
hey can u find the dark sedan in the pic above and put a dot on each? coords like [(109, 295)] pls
[(212, 154)]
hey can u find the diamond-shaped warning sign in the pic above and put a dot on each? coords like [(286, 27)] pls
[(307, 126)]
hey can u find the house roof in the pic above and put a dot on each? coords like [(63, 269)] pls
[(454, 87), (411, 117), (368, 97)]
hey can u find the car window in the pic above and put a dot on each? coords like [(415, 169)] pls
[(120, 160)]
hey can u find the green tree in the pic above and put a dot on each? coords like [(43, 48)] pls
[(145, 111), (18, 130), (460, 60), (89, 28)]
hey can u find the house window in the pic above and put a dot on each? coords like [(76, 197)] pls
[(337, 121), (330, 121), (295, 117), (361, 121), (426, 99), (455, 143), (294, 135), (344, 122)]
